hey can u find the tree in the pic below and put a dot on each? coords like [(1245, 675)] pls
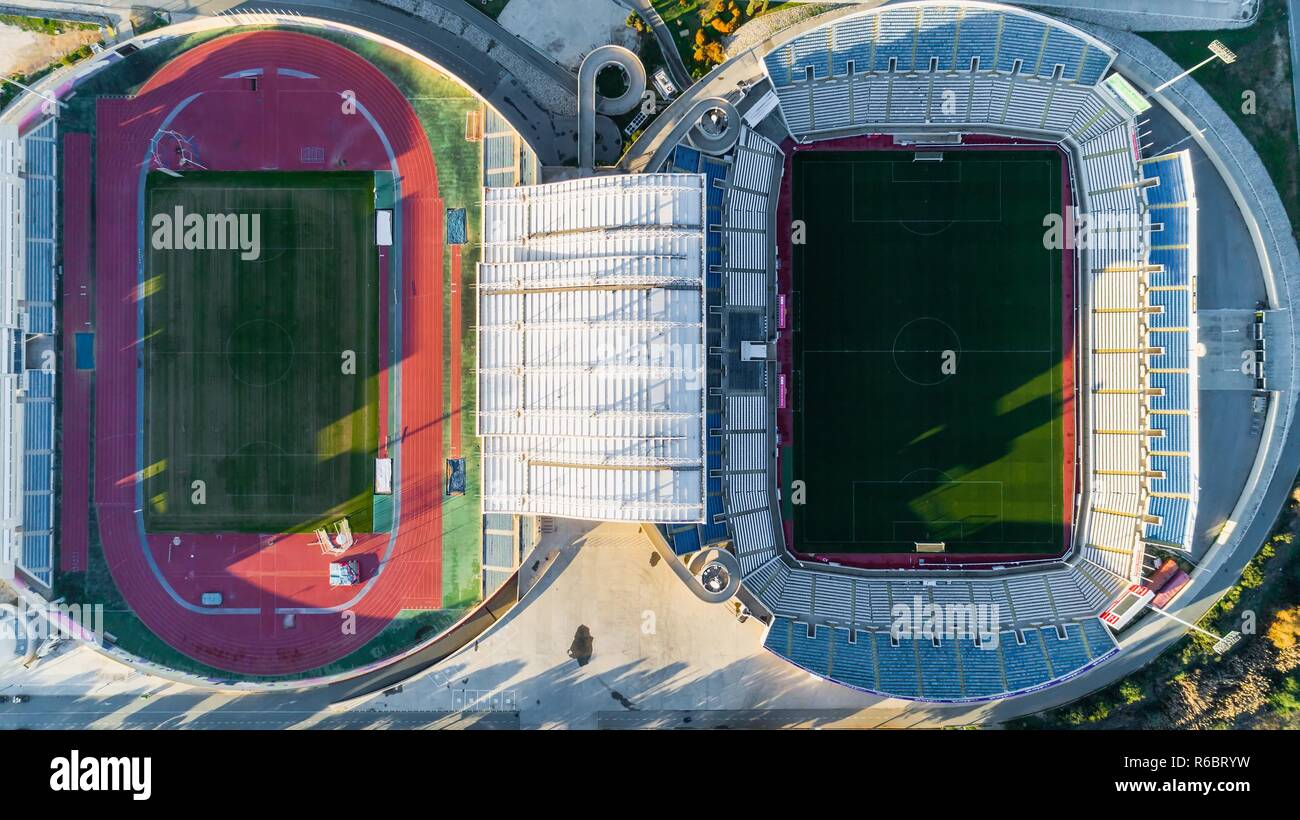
[(1284, 632)]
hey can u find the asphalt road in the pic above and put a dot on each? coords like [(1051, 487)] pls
[(203, 711)]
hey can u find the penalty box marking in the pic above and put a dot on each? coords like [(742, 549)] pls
[(894, 524)]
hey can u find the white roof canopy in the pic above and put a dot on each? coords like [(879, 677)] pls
[(591, 349)]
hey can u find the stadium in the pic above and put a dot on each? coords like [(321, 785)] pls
[(888, 329), (253, 325)]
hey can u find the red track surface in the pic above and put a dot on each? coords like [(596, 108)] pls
[(785, 353), (234, 127), (75, 503)]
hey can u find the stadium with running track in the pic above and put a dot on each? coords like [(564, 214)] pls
[(895, 345)]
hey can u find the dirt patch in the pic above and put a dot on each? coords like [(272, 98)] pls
[(22, 52)]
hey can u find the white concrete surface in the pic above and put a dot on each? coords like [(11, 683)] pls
[(611, 631), (76, 670), (565, 30), (13, 43)]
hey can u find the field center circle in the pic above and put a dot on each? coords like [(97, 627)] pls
[(926, 351), (259, 353)]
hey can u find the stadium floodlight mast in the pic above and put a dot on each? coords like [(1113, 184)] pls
[(1218, 51), (1222, 643)]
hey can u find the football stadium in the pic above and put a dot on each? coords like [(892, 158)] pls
[(890, 332), (929, 404)]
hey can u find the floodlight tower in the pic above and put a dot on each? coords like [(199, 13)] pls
[(1218, 51)]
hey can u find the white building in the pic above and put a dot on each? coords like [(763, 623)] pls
[(590, 331)]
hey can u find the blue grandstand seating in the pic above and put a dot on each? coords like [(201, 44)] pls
[(936, 38), (1169, 226), (954, 670), (1176, 438), (1025, 663), (1174, 345), (1171, 187), (1175, 387), (939, 673), (1177, 475), (1094, 66), (977, 38), (1172, 209), (39, 149), (1174, 513), (998, 39), (778, 636), (854, 663), (1176, 308), (1065, 655), (1100, 640), (1174, 263), (38, 474), (1022, 39), (813, 654), (811, 51), (499, 550), (981, 669), (896, 38), (897, 667), (1063, 49), (40, 384), (853, 42), (38, 426)]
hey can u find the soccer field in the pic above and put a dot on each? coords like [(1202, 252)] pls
[(260, 351), (928, 353)]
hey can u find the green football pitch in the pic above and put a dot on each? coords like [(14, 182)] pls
[(927, 353), (260, 351)]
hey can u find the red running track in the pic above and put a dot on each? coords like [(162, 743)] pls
[(785, 354), (233, 123), (75, 502)]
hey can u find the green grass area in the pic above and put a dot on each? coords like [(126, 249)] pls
[(45, 25), (927, 352), (1255, 91), (260, 352)]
